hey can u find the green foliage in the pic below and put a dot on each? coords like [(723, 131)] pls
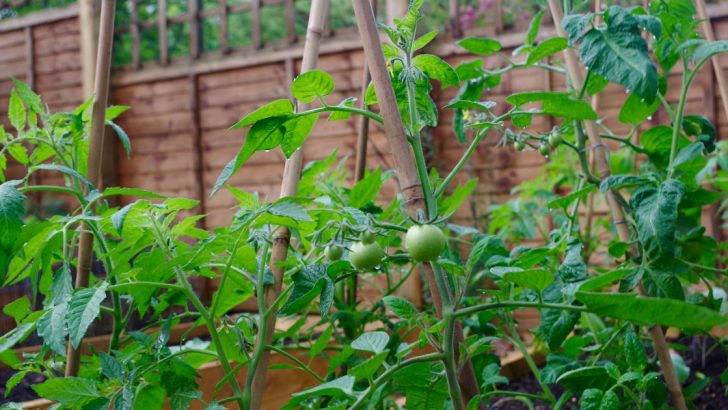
[(646, 310), (534, 251), (309, 283), (618, 52), (556, 104), (70, 391)]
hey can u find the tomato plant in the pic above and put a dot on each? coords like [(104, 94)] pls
[(597, 318)]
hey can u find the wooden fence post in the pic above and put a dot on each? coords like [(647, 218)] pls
[(618, 217), (404, 164), (289, 187), (95, 154)]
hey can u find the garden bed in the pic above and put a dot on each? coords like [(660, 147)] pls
[(280, 383), (712, 397)]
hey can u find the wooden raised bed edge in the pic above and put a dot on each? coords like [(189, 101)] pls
[(279, 384)]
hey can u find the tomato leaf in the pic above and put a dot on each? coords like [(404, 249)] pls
[(312, 85), (276, 108), (83, 308), (649, 310), (559, 104), (547, 48), (70, 391), (619, 53), (374, 342), (437, 69), (309, 282), (480, 46), (400, 307)]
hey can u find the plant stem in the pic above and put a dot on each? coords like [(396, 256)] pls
[(226, 271), (189, 292), (162, 285), (294, 359), (517, 304), (431, 357), (341, 108), (449, 348), (516, 340), (463, 160), (419, 154), (262, 329), (514, 393), (219, 348), (677, 119)]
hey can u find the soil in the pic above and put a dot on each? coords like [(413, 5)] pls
[(21, 392), (713, 397)]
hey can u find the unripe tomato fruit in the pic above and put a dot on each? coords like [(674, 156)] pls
[(333, 252), (555, 138), (425, 243), (519, 145), (544, 149), (367, 237), (366, 255)]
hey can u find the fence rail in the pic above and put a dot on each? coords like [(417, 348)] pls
[(154, 33)]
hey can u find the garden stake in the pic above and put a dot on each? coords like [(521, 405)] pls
[(618, 218), (362, 139), (407, 175), (289, 187), (717, 66), (95, 155), (722, 87)]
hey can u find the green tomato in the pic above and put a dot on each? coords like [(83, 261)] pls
[(519, 145), (366, 256), (544, 149), (333, 252), (556, 138), (367, 237), (425, 243)]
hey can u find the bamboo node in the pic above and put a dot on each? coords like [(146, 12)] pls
[(595, 146)]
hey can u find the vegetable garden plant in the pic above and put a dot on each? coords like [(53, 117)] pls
[(593, 321)]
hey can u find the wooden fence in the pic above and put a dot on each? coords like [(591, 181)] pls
[(181, 112)]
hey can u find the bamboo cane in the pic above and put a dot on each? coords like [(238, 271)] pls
[(362, 138), (363, 133), (409, 181), (723, 88), (599, 150), (95, 153), (289, 187), (717, 66)]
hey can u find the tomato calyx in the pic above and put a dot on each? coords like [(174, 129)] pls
[(367, 237)]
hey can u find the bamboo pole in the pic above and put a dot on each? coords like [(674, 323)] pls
[(88, 37), (723, 88), (362, 137), (289, 187), (599, 150), (95, 153), (717, 66), (407, 176)]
